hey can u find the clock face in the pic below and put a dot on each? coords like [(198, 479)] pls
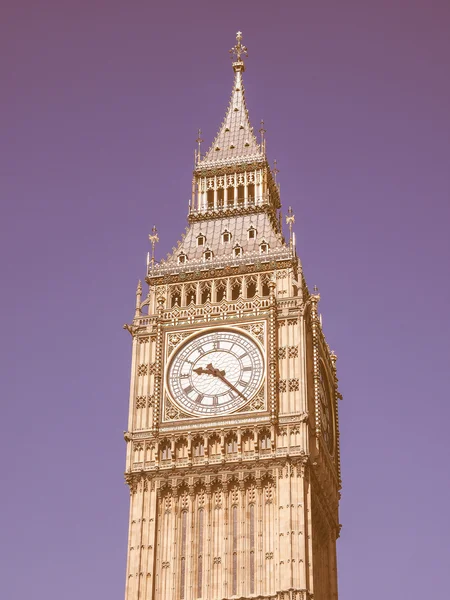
[(326, 410), (215, 373)]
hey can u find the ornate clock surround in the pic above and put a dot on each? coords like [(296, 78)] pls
[(174, 338)]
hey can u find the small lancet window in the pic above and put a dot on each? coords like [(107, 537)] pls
[(251, 233), (182, 258), (217, 148), (237, 251), (201, 240), (241, 127), (246, 144), (232, 146), (264, 247), (227, 129), (226, 237)]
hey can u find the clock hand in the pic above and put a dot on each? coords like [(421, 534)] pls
[(230, 385), (210, 370)]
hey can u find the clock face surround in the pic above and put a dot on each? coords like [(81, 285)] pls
[(215, 373)]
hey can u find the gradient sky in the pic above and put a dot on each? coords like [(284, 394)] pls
[(99, 108)]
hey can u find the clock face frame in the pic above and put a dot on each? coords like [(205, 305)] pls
[(215, 372), (326, 410)]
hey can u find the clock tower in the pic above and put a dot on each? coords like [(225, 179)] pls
[(233, 441)]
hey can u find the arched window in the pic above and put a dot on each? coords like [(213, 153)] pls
[(190, 294), (207, 254), (231, 444), (166, 451), (264, 247), (182, 258), (199, 448), (265, 443), (226, 237), (251, 232), (237, 250), (251, 193), (201, 240), (251, 287), (235, 289), (221, 290), (240, 195), (214, 445), (265, 286), (175, 296), (206, 292)]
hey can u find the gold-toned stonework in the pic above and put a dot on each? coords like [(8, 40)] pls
[(242, 502)]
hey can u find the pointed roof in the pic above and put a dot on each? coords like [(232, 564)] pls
[(235, 140)]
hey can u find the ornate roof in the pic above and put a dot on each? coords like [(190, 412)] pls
[(238, 228), (235, 140)]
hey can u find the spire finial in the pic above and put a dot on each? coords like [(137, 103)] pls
[(290, 220), (237, 51), (199, 143), (153, 237), (275, 169), (262, 131)]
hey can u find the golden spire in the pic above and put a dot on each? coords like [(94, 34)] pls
[(235, 140), (237, 51)]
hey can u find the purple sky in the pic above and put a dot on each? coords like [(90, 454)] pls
[(99, 108)]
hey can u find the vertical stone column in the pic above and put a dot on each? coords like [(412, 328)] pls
[(215, 192), (245, 189), (272, 348)]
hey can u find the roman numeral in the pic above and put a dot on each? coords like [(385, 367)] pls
[(247, 368), (199, 398), (243, 383), (188, 389)]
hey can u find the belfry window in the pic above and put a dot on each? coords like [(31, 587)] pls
[(235, 289), (251, 192), (251, 287), (206, 292), (221, 291), (265, 287), (210, 199), (175, 296), (240, 195)]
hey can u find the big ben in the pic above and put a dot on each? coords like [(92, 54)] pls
[(232, 440)]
